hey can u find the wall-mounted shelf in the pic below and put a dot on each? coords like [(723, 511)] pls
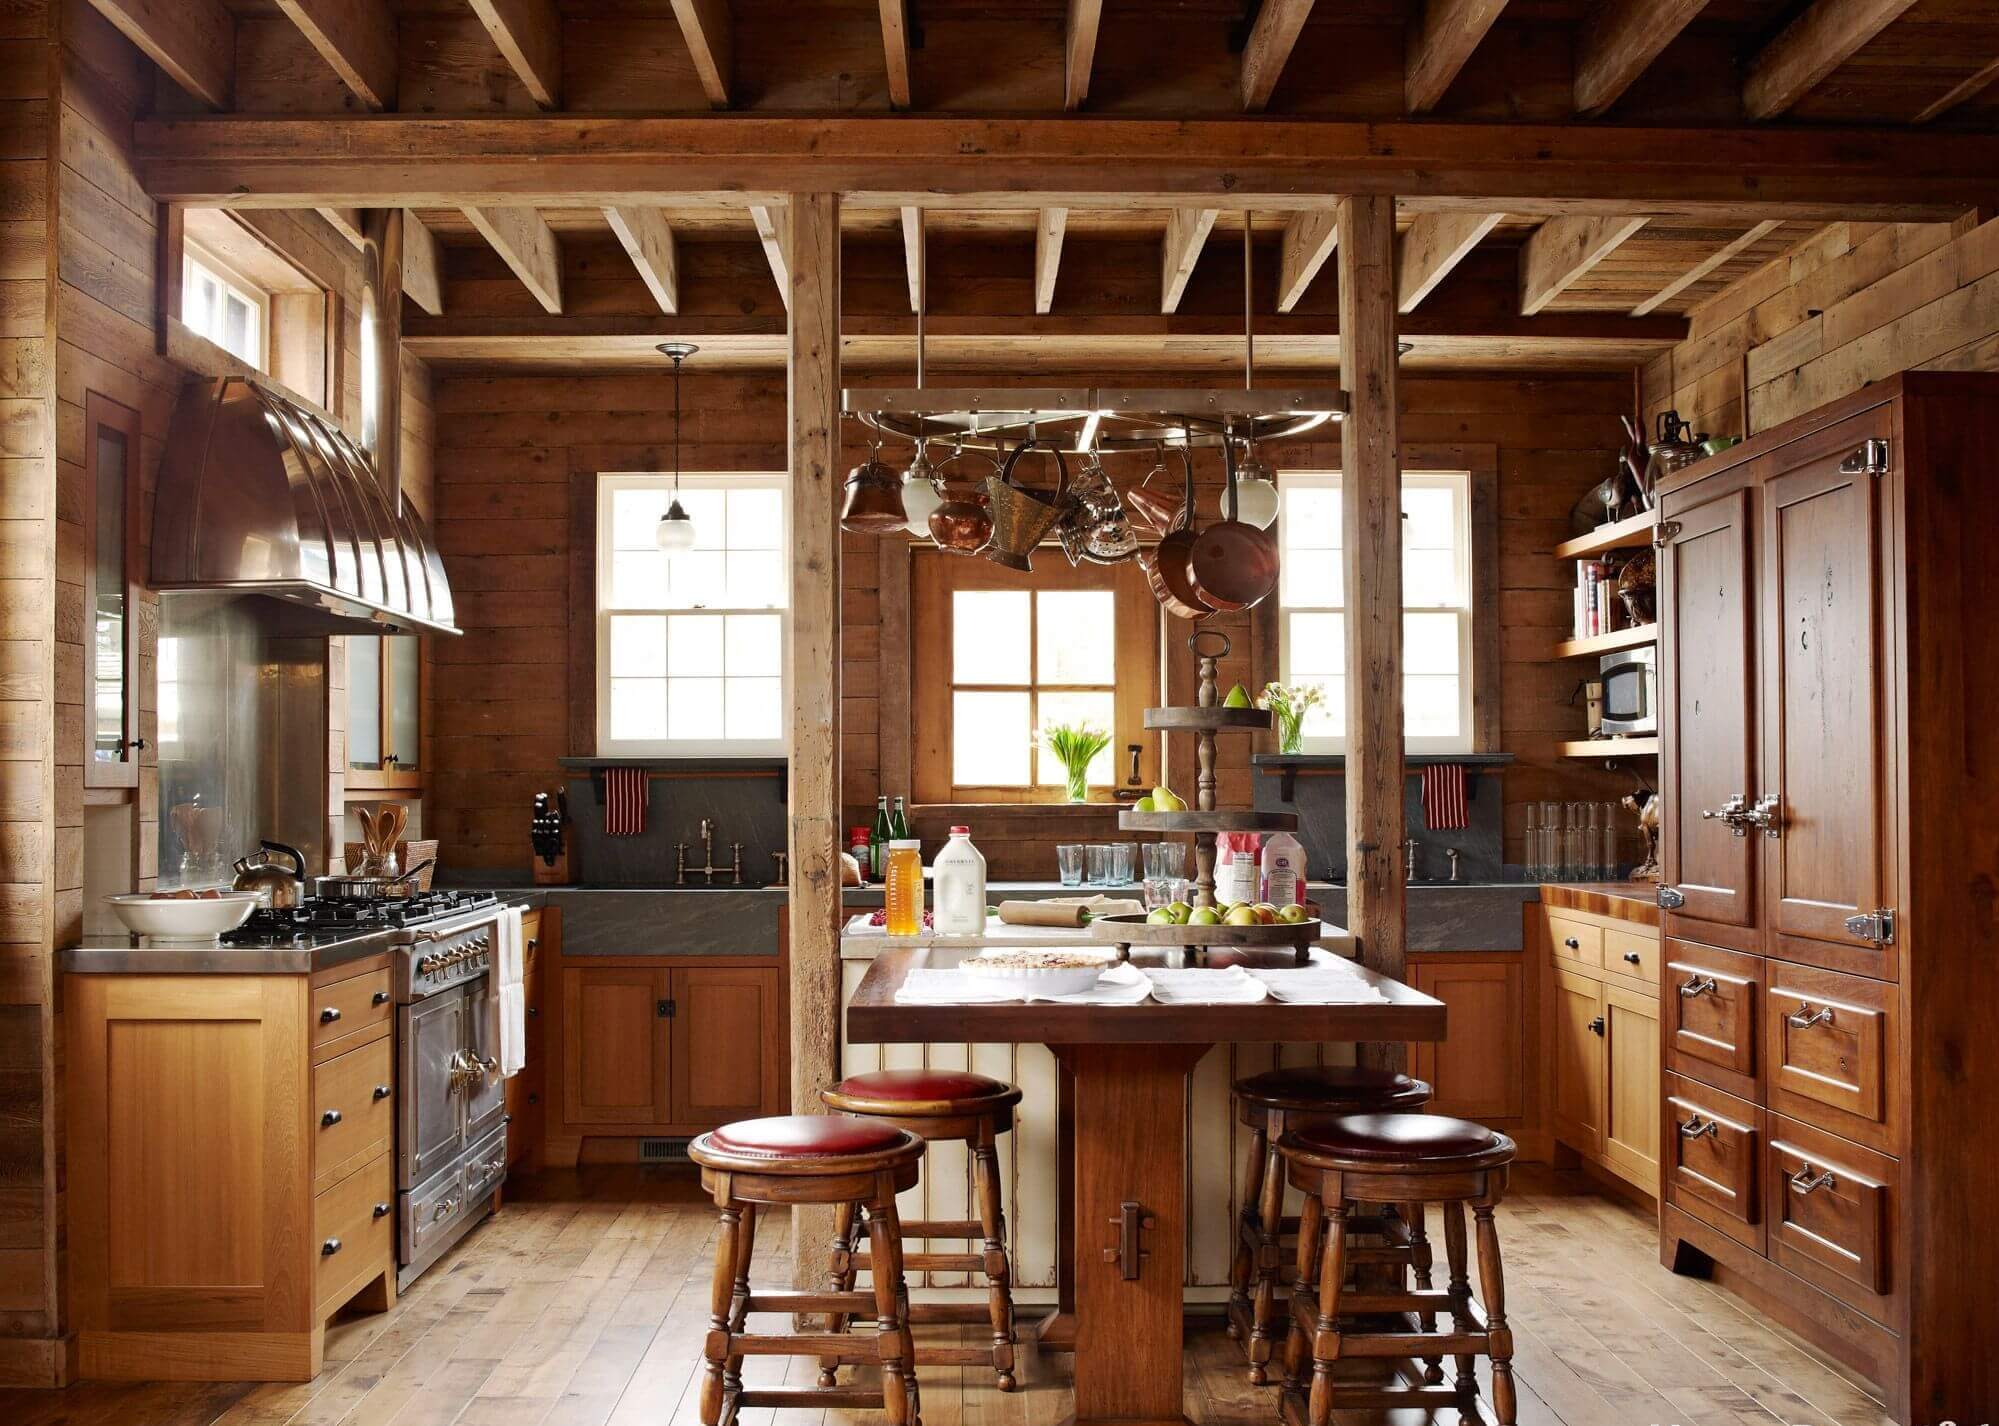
[(1631, 533), (1631, 638), (1289, 765), (1611, 748)]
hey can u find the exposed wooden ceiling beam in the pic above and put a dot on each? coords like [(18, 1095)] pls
[(705, 26), (193, 41), (1440, 41), (895, 50), (648, 241), (1079, 50), (1260, 163), (529, 36), (1705, 266), (771, 231), (1187, 232), (1810, 48), (1619, 41), (423, 266), (1964, 89), (1309, 239), (1561, 250), (914, 258), (523, 239), (357, 38), (347, 222), (1049, 229), (1433, 245), (1270, 40)]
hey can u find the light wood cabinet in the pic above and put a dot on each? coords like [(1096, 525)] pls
[(1476, 1071), (725, 1047), (384, 712), (1576, 1106), (617, 1036), (1630, 1139)]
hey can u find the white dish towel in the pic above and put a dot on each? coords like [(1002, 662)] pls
[(508, 1001)]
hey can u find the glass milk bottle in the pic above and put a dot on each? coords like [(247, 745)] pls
[(958, 876)]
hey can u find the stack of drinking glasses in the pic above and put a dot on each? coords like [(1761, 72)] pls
[(1572, 841), (1097, 863)]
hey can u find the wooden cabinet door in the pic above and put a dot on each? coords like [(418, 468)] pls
[(725, 1056), (1631, 1086), (1822, 686), (1577, 1109), (1475, 1073), (616, 1045), (1707, 710)]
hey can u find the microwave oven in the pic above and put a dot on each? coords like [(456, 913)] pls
[(1630, 680)]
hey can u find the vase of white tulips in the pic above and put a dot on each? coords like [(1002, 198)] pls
[(1288, 704)]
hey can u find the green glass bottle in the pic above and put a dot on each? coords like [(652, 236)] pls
[(878, 840), (898, 823)]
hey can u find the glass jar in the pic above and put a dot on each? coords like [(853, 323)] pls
[(904, 890)]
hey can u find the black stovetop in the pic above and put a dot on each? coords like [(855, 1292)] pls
[(320, 921)]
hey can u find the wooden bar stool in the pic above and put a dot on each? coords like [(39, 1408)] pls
[(941, 1106), (1394, 1158), (1268, 1104), (807, 1158)]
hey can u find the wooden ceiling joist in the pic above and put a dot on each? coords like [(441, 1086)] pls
[(1187, 232), (358, 39), (1618, 43), (705, 26), (1079, 50), (1440, 42), (1271, 39), (1309, 239), (1050, 225), (528, 34), (193, 41), (1561, 250), (523, 239), (1433, 245), (1810, 48), (913, 255), (648, 241), (1705, 266), (348, 222), (423, 266), (1969, 87), (895, 50), (770, 228)]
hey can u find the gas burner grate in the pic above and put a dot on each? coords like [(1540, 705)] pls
[(320, 914)]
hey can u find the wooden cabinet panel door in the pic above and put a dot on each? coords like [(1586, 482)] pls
[(1631, 1086), (616, 1045), (1707, 708), (1822, 687), (724, 1049), (1475, 1073), (1577, 1110)]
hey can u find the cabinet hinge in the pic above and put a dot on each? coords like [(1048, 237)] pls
[(1670, 898), (1876, 926), (1663, 532), (1870, 459), (667, 1009)]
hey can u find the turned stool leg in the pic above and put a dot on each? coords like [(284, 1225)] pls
[(1270, 1226), (839, 1279), (721, 1300), (1459, 1259), (1297, 1352), (739, 1295), (1243, 1265), (999, 1271), (1492, 1290), (897, 1348), (1326, 1338), (1415, 1217)]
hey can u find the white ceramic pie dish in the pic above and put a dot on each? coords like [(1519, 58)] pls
[(1037, 972)]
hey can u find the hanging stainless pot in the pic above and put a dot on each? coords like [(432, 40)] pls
[(1095, 529), (1232, 564), (1022, 518)]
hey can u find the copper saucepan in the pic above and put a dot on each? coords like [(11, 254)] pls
[(1165, 565), (1231, 564)]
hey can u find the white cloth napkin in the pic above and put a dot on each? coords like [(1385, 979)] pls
[(1205, 987), (507, 1005), (1328, 984), (933, 985)]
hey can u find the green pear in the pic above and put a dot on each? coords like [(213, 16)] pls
[(1238, 698)]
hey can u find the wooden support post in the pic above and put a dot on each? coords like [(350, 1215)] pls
[(1371, 547), (813, 381)]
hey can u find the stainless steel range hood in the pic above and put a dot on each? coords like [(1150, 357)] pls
[(261, 494)]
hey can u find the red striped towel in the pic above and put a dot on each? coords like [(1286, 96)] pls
[(1445, 804), (624, 801)]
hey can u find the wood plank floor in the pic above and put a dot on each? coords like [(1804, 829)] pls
[(584, 1304)]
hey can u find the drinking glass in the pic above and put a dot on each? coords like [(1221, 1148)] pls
[(1124, 863), (1530, 844), (1069, 863), (1097, 864), (1608, 852), (1165, 859)]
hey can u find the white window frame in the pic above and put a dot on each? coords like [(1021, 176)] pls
[(1459, 483), (194, 255), (608, 483)]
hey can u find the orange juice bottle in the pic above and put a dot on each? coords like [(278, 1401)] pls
[(905, 888)]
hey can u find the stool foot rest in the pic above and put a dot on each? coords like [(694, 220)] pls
[(944, 1228), (849, 1396), (857, 1304), (1471, 1335), (955, 1314), (1292, 1406), (847, 1346), (926, 1262)]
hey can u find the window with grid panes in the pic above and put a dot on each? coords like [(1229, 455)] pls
[(691, 647), (1436, 607)]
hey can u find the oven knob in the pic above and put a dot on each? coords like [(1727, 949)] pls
[(426, 964)]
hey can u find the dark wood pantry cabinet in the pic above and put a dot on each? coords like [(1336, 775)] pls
[(1830, 1037)]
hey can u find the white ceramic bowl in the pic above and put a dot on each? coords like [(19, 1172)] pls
[(184, 918), (1036, 979)]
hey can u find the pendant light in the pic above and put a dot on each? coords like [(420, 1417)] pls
[(676, 527), (1255, 481)]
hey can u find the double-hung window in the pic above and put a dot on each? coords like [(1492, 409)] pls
[(691, 647), (224, 306), (1436, 607)]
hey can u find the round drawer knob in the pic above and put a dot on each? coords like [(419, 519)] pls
[(329, 1247), (1573, 944), (329, 1015), (382, 1210), (382, 1091), (1634, 958), (330, 1118)]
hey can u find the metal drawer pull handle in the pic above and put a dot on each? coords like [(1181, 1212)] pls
[(382, 1210), (1804, 1181), (1596, 1026), (1634, 958), (1572, 943), (444, 1209), (330, 1118), (1698, 985), (1804, 1017), (329, 1247), (1699, 1128), (382, 1091), (328, 1015), (381, 997)]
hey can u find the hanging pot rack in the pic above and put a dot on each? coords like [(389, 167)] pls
[(1100, 418)]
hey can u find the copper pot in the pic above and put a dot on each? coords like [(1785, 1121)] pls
[(1165, 565), (874, 499), (961, 524), (1232, 564)]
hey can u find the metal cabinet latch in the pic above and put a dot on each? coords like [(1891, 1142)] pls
[(1671, 898), (1663, 533), (1698, 985), (1132, 1219), (1733, 813), (1699, 1128), (1877, 926), (1870, 459)]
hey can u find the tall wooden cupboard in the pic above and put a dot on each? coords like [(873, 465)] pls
[(1829, 1034)]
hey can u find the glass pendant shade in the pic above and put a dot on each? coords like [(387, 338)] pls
[(1256, 493), (675, 531), (920, 495)]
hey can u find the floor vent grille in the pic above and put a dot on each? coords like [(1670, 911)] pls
[(663, 1151)]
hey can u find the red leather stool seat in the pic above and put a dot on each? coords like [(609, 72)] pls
[(803, 1136), (1333, 1089), (1386, 1139), (920, 1086)]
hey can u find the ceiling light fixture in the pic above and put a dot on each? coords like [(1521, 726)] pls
[(676, 527)]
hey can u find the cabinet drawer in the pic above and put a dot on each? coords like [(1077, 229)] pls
[(1708, 1000), (353, 1111), (1830, 1207), (1828, 1041), (1712, 1158), (349, 1012), (1632, 953), (353, 1235), (1578, 942)]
